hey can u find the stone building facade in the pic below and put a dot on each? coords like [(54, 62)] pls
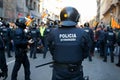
[(12, 9), (108, 9), (9, 9)]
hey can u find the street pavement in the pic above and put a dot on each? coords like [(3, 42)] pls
[(96, 70)]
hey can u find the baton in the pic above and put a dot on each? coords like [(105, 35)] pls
[(44, 64)]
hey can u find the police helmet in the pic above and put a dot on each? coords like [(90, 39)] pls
[(56, 22), (21, 22), (86, 24), (7, 24), (69, 16), (34, 25)]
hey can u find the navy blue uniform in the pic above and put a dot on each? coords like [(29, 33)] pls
[(69, 47), (35, 36), (3, 65), (101, 42), (109, 46), (6, 34), (20, 42), (91, 34), (118, 42), (47, 31)]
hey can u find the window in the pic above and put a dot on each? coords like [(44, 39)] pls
[(31, 2), (38, 8), (35, 5), (26, 2), (1, 3)]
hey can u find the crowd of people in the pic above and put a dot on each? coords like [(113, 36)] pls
[(19, 38)]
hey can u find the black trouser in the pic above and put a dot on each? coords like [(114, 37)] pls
[(44, 41), (33, 50), (21, 58), (119, 58), (101, 45), (111, 49), (7, 44), (65, 72), (3, 65)]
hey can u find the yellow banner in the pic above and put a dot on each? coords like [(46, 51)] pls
[(114, 23)]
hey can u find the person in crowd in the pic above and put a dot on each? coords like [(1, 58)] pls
[(69, 46), (118, 42), (100, 33), (90, 33), (110, 38), (43, 38), (6, 34), (35, 36), (20, 43), (3, 64)]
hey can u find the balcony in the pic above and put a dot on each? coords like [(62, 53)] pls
[(115, 2)]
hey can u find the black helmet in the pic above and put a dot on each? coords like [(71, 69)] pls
[(34, 25), (51, 24), (21, 22), (56, 22), (69, 16), (86, 24)]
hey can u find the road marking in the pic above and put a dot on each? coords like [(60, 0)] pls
[(10, 62)]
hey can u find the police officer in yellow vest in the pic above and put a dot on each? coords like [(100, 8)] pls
[(43, 38)]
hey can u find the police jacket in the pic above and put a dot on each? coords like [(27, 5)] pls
[(34, 34), (118, 38), (20, 39), (101, 35), (110, 37), (69, 45), (90, 34), (6, 33), (1, 43)]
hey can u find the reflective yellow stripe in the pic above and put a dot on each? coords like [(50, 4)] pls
[(42, 29)]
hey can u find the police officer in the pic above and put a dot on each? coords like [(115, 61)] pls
[(118, 42), (21, 43), (91, 34), (69, 47), (6, 34), (35, 36), (43, 38), (100, 33), (110, 38), (3, 65)]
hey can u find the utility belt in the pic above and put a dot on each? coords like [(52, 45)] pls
[(22, 50), (70, 67)]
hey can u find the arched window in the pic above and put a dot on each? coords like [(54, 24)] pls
[(38, 7)]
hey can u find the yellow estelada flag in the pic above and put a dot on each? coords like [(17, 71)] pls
[(114, 23), (29, 21)]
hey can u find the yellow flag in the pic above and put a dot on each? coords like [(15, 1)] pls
[(114, 23)]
